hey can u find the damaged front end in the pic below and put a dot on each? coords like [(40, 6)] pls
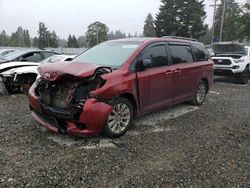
[(67, 105)]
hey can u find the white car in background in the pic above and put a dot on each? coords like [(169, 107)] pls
[(5, 52), (19, 76)]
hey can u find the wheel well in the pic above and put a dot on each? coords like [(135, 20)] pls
[(131, 98), (206, 81), (28, 75)]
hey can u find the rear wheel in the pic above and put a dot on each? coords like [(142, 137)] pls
[(26, 81), (119, 119), (243, 78), (200, 94)]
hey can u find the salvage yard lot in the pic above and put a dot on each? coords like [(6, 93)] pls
[(181, 146)]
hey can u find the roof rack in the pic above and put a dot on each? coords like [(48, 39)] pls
[(182, 38)]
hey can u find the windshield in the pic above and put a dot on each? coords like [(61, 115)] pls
[(229, 49), (112, 53)]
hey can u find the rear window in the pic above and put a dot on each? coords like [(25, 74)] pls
[(200, 52), (181, 54)]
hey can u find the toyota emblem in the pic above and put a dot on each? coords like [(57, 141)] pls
[(46, 76)]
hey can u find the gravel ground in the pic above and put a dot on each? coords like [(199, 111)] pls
[(204, 147)]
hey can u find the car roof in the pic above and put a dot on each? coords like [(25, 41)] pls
[(227, 43), (154, 39)]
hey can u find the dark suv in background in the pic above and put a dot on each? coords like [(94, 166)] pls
[(104, 88)]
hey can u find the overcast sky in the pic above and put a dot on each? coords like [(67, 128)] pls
[(73, 16)]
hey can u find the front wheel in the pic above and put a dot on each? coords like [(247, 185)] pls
[(200, 94), (119, 119), (243, 78)]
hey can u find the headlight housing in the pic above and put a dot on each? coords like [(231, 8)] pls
[(239, 60)]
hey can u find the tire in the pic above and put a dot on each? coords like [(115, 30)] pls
[(200, 94), (243, 78), (120, 119), (26, 82)]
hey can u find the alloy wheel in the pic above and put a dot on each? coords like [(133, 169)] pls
[(201, 93), (119, 118)]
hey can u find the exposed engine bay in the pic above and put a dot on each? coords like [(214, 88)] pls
[(65, 98)]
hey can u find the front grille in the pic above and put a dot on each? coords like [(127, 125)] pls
[(222, 62)]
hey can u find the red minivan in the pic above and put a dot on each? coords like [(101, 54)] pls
[(105, 87)]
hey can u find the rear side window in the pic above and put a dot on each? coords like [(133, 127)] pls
[(47, 54), (156, 55), (199, 52), (181, 53)]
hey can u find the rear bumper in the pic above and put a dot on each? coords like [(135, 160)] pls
[(90, 122)]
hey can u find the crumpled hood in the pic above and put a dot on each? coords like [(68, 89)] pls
[(59, 70)]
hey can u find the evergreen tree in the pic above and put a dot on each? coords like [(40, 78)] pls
[(245, 22), (26, 38), (181, 18), (35, 42), (4, 39), (42, 36), (82, 41), (53, 40), (74, 42), (149, 28), (97, 32), (231, 21), (69, 43), (17, 38), (116, 35)]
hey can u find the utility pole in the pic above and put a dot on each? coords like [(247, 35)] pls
[(213, 26), (222, 19)]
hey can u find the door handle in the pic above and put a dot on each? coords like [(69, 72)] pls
[(168, 73), (177, 71)]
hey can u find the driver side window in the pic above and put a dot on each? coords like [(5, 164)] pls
[(31, 57), (154, 56)]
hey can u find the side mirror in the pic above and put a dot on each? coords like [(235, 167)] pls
[(144, 64), (147, 63)]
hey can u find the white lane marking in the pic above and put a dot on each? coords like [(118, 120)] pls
[(214, 92), (162, 116)]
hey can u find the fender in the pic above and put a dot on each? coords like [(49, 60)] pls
[(21, 70), (7, 66)]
